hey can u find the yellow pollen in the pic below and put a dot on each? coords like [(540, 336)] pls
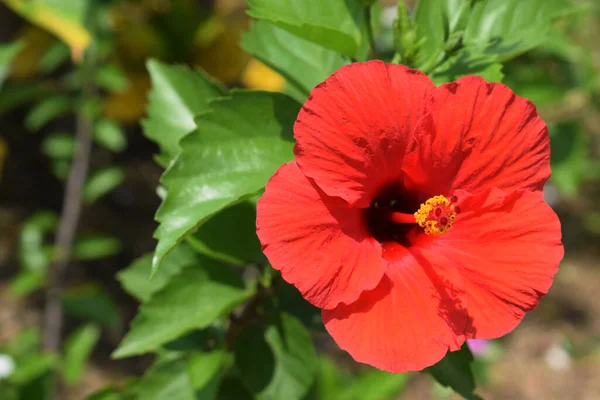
[(436, 215)]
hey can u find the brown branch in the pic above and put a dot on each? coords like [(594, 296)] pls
[(69, 219)]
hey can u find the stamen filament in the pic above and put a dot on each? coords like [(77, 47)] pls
[(402, 218)]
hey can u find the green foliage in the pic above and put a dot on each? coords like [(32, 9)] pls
[(507, 28), (78, 348), (192, 299), (7, 54), (59, 145), (454, 371), (333, 24), (178, 95), (92, 303), (101, 182), (219, 322), (286, 356), (33, 252), (47, 110), (136, 281), (571, 162), (93, 247), (109, 134), (229, 236), (166, 379), (238, 145), (303, 63)]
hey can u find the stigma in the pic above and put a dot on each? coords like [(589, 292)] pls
[(437, 214)]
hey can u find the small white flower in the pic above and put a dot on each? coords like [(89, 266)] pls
[(7, 366)]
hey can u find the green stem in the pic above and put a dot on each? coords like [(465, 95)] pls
[(373, 50)]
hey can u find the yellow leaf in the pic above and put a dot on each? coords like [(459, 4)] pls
[(258, 76), (61, 17)]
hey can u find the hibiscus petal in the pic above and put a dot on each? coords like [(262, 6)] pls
[(479, 135), (319, 244), (408, 322), (356, 127), (507, 249)]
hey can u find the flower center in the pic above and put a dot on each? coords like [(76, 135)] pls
[(391, 216), (437, 214)]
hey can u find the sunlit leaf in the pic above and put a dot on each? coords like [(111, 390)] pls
[(303, 63), (334, 24), (374, 385), (64, 18), (466, 63), (238, 145), (507, 28), (178, 95)]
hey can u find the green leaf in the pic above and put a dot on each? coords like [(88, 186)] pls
[(230, 236), (32, 367), (431, 24), (56, 55), (59, 145), (164, 380), (178, 95), (507, 28), (467, 63), (47, 110), (238, 145), (334, 24), (26, 282), (90, 302), (204, 372), (108, 393), (286, 356), (101, 182), (78, 348), (111, 78), (303, 63), (136, 281), (18, 93), (109, 134), (32, 253), (329, 380), (193, 299), (454, 371), (570, 158), (8, 51), (94, 247), (374, 385)]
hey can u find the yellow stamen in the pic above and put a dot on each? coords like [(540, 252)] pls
[(436, 215)]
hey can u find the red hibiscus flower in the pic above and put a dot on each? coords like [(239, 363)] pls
[(413, 216)]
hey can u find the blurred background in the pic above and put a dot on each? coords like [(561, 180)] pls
[(554, 354)]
